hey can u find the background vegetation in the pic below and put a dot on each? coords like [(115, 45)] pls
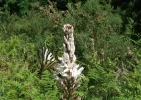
[(107, 39)]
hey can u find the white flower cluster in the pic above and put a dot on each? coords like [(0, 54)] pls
[(66, 71), (68, 67)]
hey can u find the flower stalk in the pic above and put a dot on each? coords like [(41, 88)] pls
[(68, 72)]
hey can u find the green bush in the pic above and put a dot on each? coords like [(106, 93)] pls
[(107, 45)]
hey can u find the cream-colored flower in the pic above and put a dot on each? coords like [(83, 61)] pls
[(75, 71)]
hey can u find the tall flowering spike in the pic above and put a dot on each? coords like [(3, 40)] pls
[(68, 72)]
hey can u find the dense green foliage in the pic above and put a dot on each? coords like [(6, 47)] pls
[(107, 38)]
